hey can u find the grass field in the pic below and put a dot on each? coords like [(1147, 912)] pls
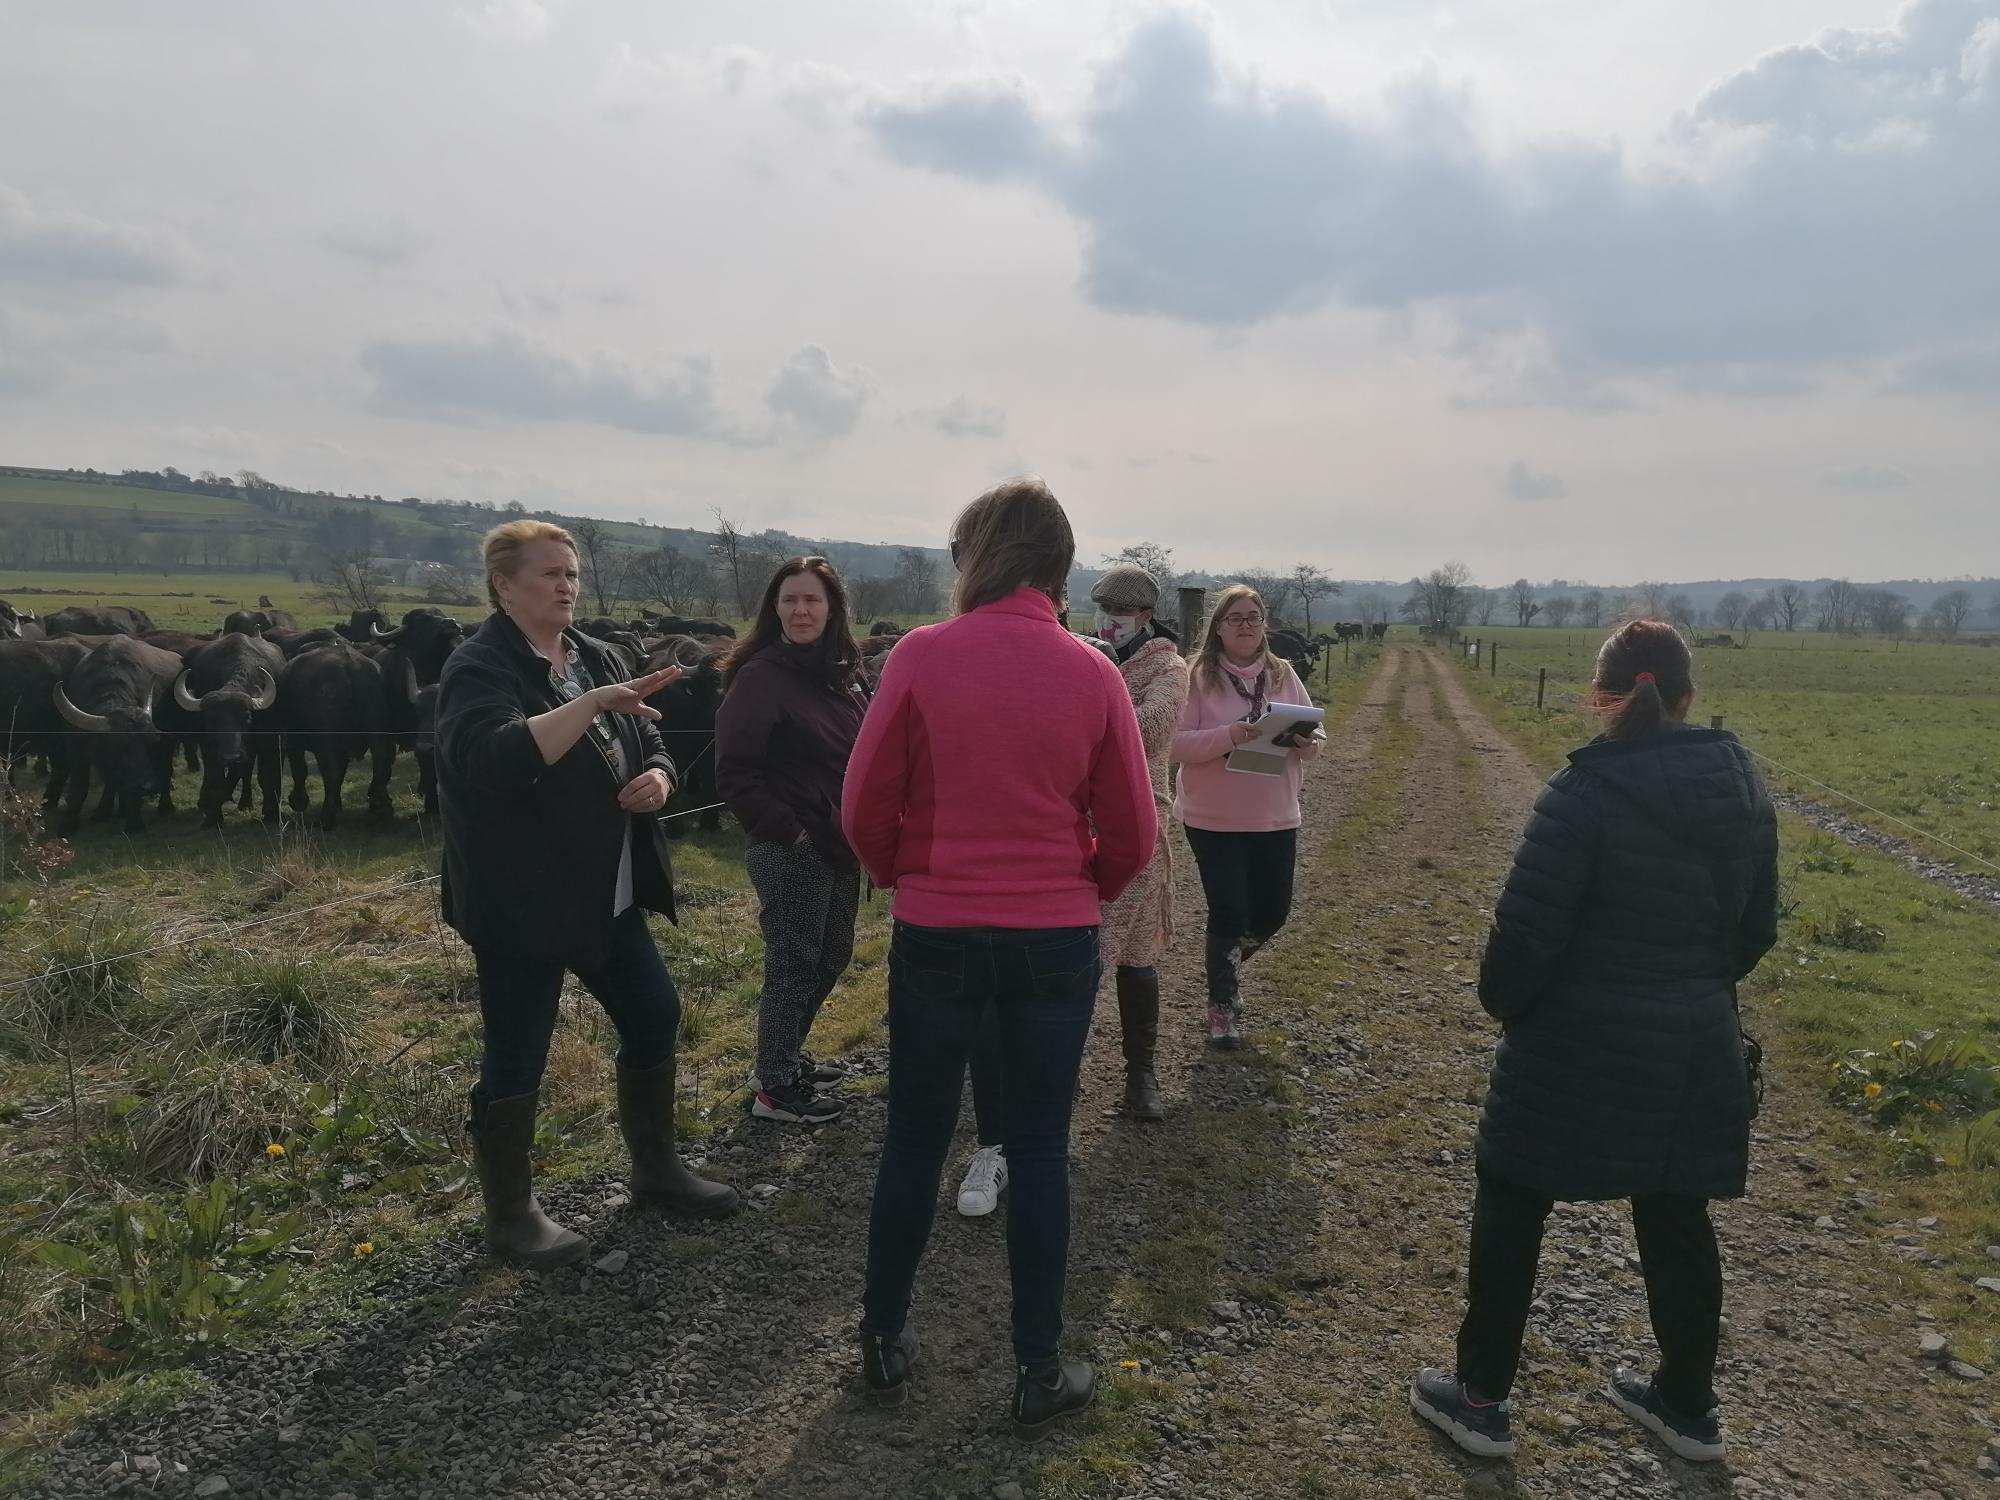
[(1910, 728), (195, 600), (112, 501)]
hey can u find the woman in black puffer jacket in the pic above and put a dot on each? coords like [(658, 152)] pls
[(1644, 889)]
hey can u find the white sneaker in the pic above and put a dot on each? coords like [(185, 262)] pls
[(985, 1180)]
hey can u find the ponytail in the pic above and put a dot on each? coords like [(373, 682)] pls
[(1641, 669)]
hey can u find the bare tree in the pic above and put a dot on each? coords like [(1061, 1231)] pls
[(1482, 604), (870, 598), (1559, 609), (1788, 601), (1154, 558), (1678, 611), (1885, 613), (1274, 588), (1372, 608), (1650, 600), (741, 566), (1762, 612), (917, 588), (1731, 609), (1521, 594), (1310, 583), (1951, 610), (351, 580), (1837, 608), (1442, 598), (601, 561), (668, 575), (1590, 609)]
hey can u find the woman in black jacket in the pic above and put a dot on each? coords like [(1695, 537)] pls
[(782, 738), (550, 781), (1644, 889)]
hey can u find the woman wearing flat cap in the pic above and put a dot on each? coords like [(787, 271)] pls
[(551, 779), (1139, 924)]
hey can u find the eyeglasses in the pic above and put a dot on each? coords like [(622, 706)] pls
[(1243, 619)]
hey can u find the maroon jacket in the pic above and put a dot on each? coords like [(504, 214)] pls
[(782, 738)]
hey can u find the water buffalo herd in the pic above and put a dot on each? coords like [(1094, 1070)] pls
[(100, 693)]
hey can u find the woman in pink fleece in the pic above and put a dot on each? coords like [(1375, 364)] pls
[(1000, 787), (1243, 828)]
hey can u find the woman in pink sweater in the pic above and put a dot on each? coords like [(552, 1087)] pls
[(1243, 828), (1000, 787)]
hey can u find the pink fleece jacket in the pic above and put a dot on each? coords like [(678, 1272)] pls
[(1215, 798), (996, 743)]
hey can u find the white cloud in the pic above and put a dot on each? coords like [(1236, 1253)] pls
[(1523, 482), (1846, 207), (508, 21), (815, 395), (383, 243), (50, 247), (960, 417), (503, 375)]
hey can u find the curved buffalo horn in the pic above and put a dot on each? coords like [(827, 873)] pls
[(94, 722), (267, 692), (410, 680), (183, 695), (377, 633)]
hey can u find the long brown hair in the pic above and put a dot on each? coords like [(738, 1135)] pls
[(1013, 536), (1208, 660), (1642, 669), (839, 655)]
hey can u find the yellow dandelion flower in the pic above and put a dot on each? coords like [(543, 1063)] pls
[(1898, 1043), (1872, 1090), (366, 1247), (1933, 1106), (274, 1149), (1128, 1364)]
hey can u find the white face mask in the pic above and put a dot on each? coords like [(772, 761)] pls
[(1116, 629)]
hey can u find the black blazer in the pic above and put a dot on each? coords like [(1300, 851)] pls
[(1644, 889), (531, 850)]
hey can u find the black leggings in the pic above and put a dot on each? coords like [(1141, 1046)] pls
[(1683, 1272), (1247, 878)]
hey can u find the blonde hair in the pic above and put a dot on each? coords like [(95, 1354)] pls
[(503, 546), (1208, 660), (1016, 535)]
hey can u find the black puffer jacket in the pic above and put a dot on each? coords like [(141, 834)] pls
[(1644, 889)]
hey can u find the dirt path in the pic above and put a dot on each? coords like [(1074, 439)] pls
[(1272, 1263)]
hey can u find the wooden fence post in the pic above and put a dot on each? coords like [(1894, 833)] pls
[(1192, 623), (1541, 687), (1715, 720), (1493, 660)]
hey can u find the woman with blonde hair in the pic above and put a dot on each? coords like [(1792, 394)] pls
[(551, 779), (1244, 829), (999, 786)]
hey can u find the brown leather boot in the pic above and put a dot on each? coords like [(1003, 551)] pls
[(659, 1178), (1139, 1029), (503, 1141)]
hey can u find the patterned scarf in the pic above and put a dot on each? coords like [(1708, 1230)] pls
[(1252, 695)]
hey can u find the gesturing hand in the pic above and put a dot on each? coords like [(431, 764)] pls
[(646, 792), (630, 697)]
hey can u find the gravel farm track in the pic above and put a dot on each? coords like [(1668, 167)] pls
[(1256, 1279)]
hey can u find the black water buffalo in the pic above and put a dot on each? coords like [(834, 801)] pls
[(1295, 648), (18, 624), (227, 694), (687, 727), (362, 624), (293, 642), (30, 671), (885, 628), (681, 625), (115, 696), (1378, 630), (183, 643), (105, 619), (1348, 630), (336, 706), (426, 637), (258, 621)]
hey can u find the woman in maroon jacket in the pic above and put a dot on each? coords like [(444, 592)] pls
[(782, 738)]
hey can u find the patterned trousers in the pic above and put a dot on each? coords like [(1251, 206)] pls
[(807, 917)]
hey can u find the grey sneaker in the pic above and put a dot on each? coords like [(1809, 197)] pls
[(1698, 1439), (1484, 1428)]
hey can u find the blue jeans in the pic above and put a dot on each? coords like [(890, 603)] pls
[(1042, 985), (519, 1003)]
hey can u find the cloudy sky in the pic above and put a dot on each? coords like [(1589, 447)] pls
[(1687, 288)]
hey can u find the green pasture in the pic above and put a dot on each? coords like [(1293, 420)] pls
[(196, 600), (115, 499), (1911, 728)]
